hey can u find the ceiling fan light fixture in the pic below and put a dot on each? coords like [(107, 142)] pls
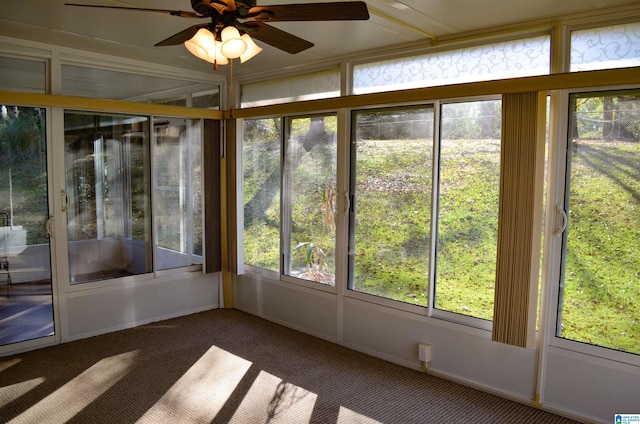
[(233, 46), (220, 59), (202, 45), (252, 48)]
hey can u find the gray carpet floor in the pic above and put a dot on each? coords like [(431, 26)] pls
[(226, 366)]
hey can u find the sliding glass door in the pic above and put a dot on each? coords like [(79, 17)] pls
[(26, 296), (600, 283)]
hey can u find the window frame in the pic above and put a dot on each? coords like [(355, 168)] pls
[(126, 201), (242, 265), (253, 269)]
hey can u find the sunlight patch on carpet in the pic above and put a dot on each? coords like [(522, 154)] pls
[(8, 363), (200, 394), (77, 394), (347, 416), (272, 400), (10, 393)]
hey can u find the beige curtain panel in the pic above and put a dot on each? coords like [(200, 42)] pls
[(520, 217)]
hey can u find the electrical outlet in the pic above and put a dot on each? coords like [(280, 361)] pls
[(424, 352)]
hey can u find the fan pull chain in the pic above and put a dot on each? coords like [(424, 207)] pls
[(231, 99)]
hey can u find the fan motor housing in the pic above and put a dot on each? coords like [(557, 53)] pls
[(206, 7)]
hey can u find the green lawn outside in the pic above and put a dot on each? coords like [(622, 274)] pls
[(394, 220)]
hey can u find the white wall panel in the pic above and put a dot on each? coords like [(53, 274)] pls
[(458, 352), (311, 311), (590, 387), (101, 310)]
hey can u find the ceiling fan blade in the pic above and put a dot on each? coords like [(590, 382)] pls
[(336, 11), (275, 37), (171, 12), (182, 36)]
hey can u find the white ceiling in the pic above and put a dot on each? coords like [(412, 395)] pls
[(392, 23)]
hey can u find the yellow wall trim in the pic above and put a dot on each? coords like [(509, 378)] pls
[(101, 105)]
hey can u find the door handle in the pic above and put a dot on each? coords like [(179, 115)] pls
[(561, 219), (347, 203), (65, 200), (48, 225)]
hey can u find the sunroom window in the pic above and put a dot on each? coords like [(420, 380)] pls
[(261, 188), (508, 59), (614, 46), (107, 195), (309, 198), (469, 183), (391, 191), (178, 192), (315, 85), (600, 286)]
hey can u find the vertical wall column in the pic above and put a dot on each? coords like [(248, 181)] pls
[(212, 206), (228, 196)]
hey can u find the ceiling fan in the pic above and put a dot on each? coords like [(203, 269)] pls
[(248, 20)]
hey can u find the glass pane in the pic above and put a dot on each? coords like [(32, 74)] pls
[(614, 46), (106, 84), (317, 85), (26, 302), (600, 293), (208, 100), (508, 59), (468, 208), (391, 188), (178, 192), (23, 75), (309, 189), (261, 187), (107, 189)]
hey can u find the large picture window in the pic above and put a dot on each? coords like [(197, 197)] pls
[(600, 287)]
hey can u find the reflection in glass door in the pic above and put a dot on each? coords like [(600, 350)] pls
[(26, 297), (108, 187)]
